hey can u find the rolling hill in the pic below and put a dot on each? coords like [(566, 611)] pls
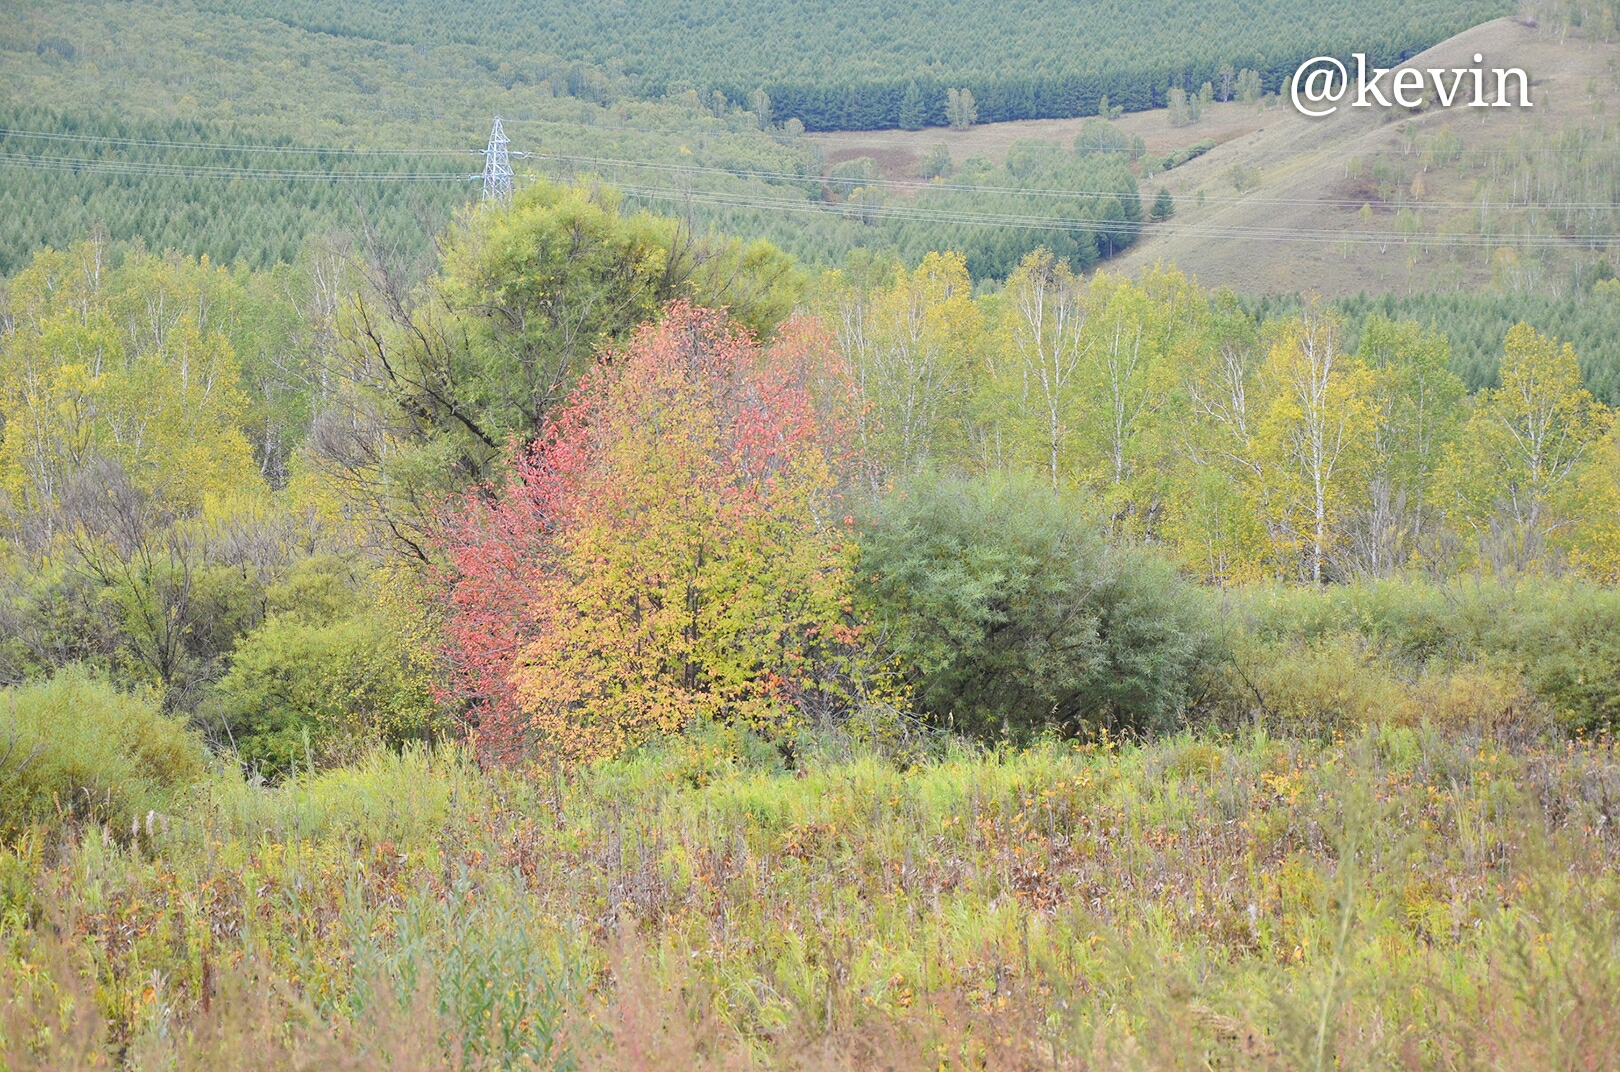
[(1438, 199), (1363, 201), (848, 64)]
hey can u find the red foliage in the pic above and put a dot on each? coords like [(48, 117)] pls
[(667, 549)]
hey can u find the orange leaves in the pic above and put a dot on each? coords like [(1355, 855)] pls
[(667, 552)]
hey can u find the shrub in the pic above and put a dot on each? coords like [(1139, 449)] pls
[(1009, 610), (74, 746), (1181, 156), (329, 691), (339, 666), (1483, 654)]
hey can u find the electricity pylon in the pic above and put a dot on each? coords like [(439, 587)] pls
[(497, 166)]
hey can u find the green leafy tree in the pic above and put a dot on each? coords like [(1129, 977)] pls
[(444, 378), (1248, 86), (1512, 477), (1097, 136), (1009, 611), (961, 111)]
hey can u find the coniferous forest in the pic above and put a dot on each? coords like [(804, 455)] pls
[(844, 66), (715, 608)]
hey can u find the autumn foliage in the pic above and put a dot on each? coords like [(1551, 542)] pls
[(670, 548)]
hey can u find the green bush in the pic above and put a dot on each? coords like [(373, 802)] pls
[(336, 669), (1181, 156), (75, 747), (1009, 611), (298, 691), (1560, 638)]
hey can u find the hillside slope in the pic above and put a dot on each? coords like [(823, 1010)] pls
[(842, 64), (1387, 201)]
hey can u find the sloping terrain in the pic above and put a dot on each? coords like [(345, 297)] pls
[(1389, 201), (1365, 200)]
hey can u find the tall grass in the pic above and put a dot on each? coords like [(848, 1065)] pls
[(1529, 659), (1407, 898)]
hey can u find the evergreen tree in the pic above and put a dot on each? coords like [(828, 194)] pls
[(912, 114), (1164, 206)]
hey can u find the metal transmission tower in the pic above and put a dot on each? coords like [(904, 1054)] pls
[(497, 166)]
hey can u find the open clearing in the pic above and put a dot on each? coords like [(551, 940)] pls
[(1315, 212)]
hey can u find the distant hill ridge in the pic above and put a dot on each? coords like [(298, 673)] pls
[(848, 65)]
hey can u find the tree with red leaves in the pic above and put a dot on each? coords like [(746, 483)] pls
[(670, 549)]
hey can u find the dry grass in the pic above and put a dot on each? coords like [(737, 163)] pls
[(1405, 900)]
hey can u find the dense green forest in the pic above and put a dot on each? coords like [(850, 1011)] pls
[(187, 185), (181, 185), (121, 113), (838, 65)]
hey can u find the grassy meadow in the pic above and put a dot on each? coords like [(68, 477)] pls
[(1380, 851), (1403, 898)]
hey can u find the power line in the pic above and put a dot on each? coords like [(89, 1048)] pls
[(921, 186), (348, 150), (152, 143), (1087, 226), (901, 185), (899, 212), (995, 220)]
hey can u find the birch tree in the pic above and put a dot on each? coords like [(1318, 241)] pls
[(912, 347), (1042, 343), (1513, 477), (1313, 438)]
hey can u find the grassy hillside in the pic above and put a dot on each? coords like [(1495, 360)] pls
[(1434, 199), (178, 126)]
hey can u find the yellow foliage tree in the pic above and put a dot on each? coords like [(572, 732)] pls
[(90, 377), (1213, 469), (913, 347), (1596, 546), (1039, 379), (1137, 335), (1513, 478), (1311, 443)]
